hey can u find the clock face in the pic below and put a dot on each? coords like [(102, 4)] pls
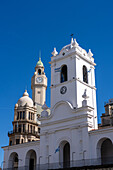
[(39, 79), (63, 90)]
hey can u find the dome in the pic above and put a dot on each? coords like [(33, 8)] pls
[(39, 63), (25, 100)]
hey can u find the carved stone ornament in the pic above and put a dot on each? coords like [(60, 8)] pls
[(54, 53), (90, 54), (85, 95)]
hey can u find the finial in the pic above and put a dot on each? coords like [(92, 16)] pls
[(39, 63), (72, 40), (44, 107), (44, 113), (85, 95), (75, 44), (54, 53), (84, 102), (90, 54), (25, 93)]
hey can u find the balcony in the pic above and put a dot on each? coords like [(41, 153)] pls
[(26, 132)]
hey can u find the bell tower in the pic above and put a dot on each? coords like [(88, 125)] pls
[(72, 73), (39, 84)]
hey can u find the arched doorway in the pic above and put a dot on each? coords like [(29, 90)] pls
[(107, 152), (13, 161), (31, 160), (64, 154)]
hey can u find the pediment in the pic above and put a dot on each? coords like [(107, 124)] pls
[(61, 110)]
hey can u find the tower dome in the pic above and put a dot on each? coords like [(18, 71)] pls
[(25, 100), (39, 63)]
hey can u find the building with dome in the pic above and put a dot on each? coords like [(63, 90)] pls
[(67, 134)]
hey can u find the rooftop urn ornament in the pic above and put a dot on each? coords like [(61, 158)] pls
[(44, 113), (90, 54), (16, 105), (84, 102), (54, 53), (75, 44)]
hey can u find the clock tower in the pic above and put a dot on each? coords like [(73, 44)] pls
[(39, 84)]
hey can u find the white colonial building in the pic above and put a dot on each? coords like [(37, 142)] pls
[(67, 134)]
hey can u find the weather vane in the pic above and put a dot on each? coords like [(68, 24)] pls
[(72, 35)]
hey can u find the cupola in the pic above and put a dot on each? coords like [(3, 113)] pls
[(25, 100), (39, 63)]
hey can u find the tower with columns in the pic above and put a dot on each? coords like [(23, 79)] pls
[(25, 126)]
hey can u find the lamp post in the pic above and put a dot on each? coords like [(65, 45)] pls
[(48, 158), (73, 159), (39, 159), (84, 157), (73, 156)]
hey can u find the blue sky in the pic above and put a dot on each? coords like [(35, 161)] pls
[(29, 26)]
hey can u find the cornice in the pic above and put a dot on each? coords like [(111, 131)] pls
[(66, 120), (25, 121), (72, 80), (73, 126), (64, 83), (101, 131), (73, 53), (23, 145), (92, 87)]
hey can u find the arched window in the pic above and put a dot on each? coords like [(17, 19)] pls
[(63, 77), (39, 71), (85, 74)]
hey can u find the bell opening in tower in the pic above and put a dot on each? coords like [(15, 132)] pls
[(63, 74), (39, 71)]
